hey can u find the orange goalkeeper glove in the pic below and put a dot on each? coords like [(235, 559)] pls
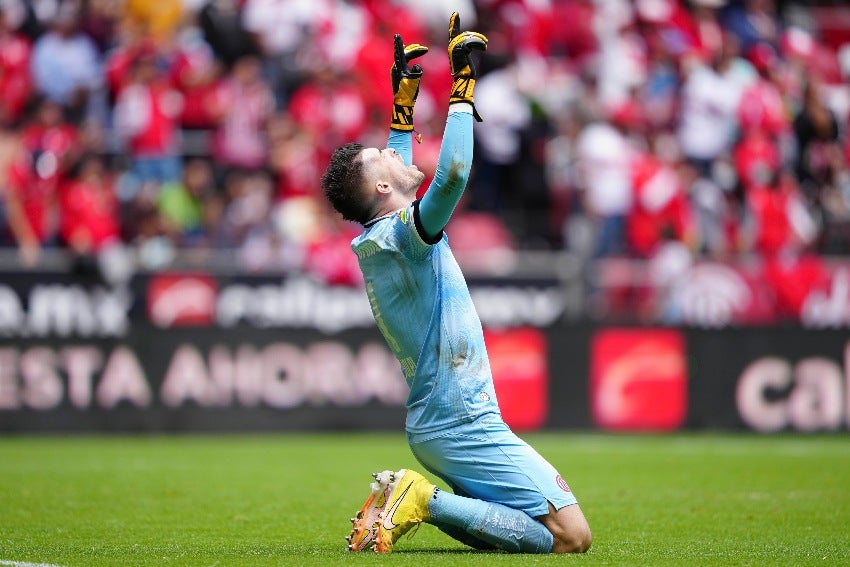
[(405, 81), (463, 70)]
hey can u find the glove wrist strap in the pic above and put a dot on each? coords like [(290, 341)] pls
[(462, 91), (402, 118)]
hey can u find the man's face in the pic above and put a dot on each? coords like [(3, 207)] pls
[(388, 166)]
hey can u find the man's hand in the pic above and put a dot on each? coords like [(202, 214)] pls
[(405, 82), (463, 70)]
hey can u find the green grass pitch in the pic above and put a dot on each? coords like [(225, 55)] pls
[(246, 500)]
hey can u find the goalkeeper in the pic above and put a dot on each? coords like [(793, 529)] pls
[(504, 494)]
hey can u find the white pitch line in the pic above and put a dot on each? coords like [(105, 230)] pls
[(8, 563)]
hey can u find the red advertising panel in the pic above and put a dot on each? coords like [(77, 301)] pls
[(518, 358), (176, 300), (638, 379)]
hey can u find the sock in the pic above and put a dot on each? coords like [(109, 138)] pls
[(461, 535), (498, 525)]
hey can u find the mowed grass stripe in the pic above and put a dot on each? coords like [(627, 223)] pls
[(702, 499)]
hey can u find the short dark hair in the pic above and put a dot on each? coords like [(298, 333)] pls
[(343, 183)]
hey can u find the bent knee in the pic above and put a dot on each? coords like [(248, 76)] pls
[(575, 541), (569, 529)]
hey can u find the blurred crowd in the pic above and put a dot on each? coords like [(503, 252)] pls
[(657, 129)]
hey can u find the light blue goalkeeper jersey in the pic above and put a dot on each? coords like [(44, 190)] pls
[(422, 305)]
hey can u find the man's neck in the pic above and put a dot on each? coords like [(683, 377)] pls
[(391, 205)]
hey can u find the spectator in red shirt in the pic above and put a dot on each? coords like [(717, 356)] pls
[(778, 220), (577, 40), (49, 145), (120, 62), (242, 106), (195, 73), (51, 140), (15, 81), (705, 29), (660, 207), (146, 119), (293, 158), (761, 105), (89, 209), (16, 226), (372, 65), (791, 277), (330, 108), (328, 254)]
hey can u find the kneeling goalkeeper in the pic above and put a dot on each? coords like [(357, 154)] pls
[(505, 495)]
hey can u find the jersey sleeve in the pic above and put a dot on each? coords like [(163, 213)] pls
[(402, 143), (408, 234), (449, 183)]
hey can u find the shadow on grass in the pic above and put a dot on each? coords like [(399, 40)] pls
[(451, 550)]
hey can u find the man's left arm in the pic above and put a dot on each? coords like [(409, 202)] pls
[(455, 161), (453, 167)]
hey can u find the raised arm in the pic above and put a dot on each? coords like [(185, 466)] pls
[(405, 81), (455, 161)]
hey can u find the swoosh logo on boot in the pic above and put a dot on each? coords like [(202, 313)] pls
[(388, 519)]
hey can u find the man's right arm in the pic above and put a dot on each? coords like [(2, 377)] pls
[(405, 81)]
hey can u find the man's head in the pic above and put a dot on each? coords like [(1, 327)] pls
[(365, 183)]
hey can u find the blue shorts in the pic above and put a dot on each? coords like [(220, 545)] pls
[(486, 460)]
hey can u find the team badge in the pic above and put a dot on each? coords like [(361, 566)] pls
[(562, 483)]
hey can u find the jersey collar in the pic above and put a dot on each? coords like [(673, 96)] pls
[(374, 221)]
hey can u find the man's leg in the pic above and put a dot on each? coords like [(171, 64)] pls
[(494, 524), (506, 494), (569, 529), (403, 499), (460, 533), (566, 529), (464, 537)]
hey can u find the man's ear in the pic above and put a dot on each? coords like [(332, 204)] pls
[(383, 187)]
